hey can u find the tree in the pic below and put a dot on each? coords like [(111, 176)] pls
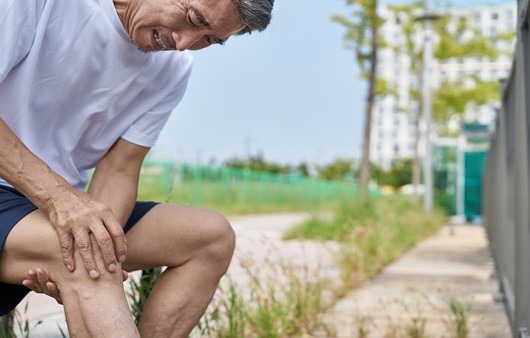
[(362, 36), (410, 26), (337, 170), (258, 163), (397, 175), (459, 41)]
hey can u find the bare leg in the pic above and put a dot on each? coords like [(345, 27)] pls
[(197, 246), (93, 308)]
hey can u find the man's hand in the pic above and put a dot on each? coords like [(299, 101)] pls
[(75, 215), (38, 281)]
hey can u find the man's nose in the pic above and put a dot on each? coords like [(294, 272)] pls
[(185, 40)]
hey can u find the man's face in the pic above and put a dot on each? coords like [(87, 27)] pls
[(155, 25)]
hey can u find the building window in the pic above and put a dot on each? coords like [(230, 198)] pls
[(493, 30), (494, 16)]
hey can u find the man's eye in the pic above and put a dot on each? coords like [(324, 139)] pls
[(191, 21)]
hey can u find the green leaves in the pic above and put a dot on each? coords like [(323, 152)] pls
[(452, 97), (359, 25)]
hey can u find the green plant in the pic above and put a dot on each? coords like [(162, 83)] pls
[(141, 289), (458, 321), (281, 302), (16, 325), (416, 327), (363, 325), (371, 233)]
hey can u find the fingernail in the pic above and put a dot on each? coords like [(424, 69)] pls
[(48, 287), (94, 274), (112, 267), (122, 258), (69, 267)]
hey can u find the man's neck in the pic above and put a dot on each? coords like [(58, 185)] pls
[(121, 7)]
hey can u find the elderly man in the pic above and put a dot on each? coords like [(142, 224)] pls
[(80, 89)]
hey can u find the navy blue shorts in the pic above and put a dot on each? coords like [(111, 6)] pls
[(13, 207)]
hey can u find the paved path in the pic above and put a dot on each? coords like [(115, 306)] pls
[(419, 285)]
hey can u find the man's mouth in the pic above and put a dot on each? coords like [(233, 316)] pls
[(159, 40)]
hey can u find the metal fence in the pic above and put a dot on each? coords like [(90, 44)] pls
[(506, 185), (238, 190)]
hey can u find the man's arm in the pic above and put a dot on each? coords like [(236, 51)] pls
[(73, 213), (115, 181)]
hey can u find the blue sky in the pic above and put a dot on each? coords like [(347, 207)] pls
[(292, 93)]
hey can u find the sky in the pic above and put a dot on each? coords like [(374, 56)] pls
[(291, 93)]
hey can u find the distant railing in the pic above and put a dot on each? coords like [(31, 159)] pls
[(237, 189), (506, 185)]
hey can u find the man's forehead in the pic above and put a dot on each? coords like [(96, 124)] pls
[(218, 14)]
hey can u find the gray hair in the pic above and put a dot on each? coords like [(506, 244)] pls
[(255, 14)]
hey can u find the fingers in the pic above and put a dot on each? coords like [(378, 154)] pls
[(125, 275), (117, 235), (54, 292), (106, 247), (39, 282), (84, 247), (67, 249), (32, 283)]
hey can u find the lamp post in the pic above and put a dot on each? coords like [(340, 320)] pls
[(427, 19)]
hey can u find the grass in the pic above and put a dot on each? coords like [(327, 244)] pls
[(372, 234), (457, 322), (141, 289), (272, 307), (17, 325)]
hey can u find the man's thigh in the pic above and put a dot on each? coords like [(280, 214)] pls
[(171, 235), (167, 235), (31, 244)]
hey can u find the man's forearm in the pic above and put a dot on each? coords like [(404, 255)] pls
[(116, 189), (25, 171)]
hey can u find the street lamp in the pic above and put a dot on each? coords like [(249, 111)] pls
[(427, 18)]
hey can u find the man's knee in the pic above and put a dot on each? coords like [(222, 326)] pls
[(222, 240)]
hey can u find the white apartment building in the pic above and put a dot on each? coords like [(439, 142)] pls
[(393, 116)]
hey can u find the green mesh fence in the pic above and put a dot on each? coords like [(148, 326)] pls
[(238, 190)]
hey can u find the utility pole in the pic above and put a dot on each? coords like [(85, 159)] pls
[(428, 19)]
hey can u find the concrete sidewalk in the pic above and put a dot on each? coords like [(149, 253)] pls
[(414, 292)]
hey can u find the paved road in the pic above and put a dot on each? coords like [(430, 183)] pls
[(419, 285)]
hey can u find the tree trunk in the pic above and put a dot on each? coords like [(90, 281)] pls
[(365, 162)]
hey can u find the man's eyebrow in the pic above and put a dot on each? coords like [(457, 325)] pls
[(201, 18)]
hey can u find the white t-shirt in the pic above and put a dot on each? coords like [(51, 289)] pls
[(72, 82)]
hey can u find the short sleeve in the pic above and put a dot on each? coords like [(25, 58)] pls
[(17, 31), (146, 129)]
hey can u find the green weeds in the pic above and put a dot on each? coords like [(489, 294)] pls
[(17, 325), (281, 302), (457, 322), (141, 289), (372, 234)]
